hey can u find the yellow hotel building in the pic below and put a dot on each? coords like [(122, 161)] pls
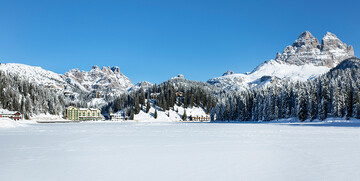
[(83, 114)]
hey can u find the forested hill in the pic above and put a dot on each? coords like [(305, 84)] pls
[(30, 99), (334, 94)]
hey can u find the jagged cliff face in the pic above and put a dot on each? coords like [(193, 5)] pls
[(101, 80), (307, 50)]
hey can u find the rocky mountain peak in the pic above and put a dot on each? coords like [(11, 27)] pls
[(95, 67), (307, 50), (228, 73), (330, 42), (116, 69), (106, 69), (329, 35), (307, 39), (105, 79)]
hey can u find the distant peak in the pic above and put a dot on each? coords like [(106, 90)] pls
[(180, 76), (115, 69), (105, 69), (95, 67), (329, 35), (306, 38), (228, 73), (305, 35)]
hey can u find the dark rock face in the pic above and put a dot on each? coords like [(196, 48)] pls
[(228, 73), (307, 50)]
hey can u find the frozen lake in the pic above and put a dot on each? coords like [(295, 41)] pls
[(180, 151)]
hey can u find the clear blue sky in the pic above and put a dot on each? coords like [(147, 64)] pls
[(158, 39)]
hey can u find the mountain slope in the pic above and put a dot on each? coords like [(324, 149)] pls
[(303, 60)]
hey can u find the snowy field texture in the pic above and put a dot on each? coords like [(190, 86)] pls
[(180, 151)]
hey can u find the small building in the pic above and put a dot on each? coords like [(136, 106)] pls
[(117, 116), (15, 115), (200, 118), (83, 114)]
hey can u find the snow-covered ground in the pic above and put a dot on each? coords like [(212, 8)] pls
[(9, 123), (181, 151)]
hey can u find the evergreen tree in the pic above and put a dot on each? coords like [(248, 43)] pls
[(137, 106), (132, 114), (147, 106), (212, 114), (322, 109), (155, 114), (184, 116), (349, 100), (302, 106)]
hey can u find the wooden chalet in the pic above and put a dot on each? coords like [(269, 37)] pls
[(15, 115)]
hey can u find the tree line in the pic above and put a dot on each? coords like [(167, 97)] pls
[(335, 94)]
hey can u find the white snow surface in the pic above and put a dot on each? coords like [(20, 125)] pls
[(181, 151), (8, 123)]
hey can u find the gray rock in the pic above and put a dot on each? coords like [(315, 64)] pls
[(228, 73), (307, 50)]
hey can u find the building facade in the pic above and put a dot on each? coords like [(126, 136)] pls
[(116, 117), (83, 114), (15, 115)]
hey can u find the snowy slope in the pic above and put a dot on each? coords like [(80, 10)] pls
[(303, 60), (268, 73), (35, 75)]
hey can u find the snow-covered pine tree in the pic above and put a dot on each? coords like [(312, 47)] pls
[(184, 116), (155, 114), (147, 106), (302, 109)]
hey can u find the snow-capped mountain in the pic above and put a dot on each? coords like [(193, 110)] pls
[(307, 50), (303, 60), (105, 80)]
